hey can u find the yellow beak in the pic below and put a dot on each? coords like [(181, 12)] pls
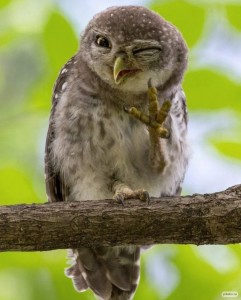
[(118, 67), (122, 70)]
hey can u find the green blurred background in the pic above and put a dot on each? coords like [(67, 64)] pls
[(36, 39)]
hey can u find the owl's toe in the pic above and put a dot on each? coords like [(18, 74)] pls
[(141, 194), (145, 196), (120, 197)]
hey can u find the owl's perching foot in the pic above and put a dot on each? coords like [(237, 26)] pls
[(154, 120), (123, 192)]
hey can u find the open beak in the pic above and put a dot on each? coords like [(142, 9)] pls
[(121, 70)]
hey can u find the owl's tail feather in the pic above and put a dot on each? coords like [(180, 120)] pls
[(91, 271), (112, 273), (78, 280)]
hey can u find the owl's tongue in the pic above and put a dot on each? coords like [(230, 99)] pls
[(126, 72)]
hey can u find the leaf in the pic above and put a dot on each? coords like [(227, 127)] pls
[(206, 89), (4, 3), (7, 37), (188, 18), (234, 15), (40, 97), (16, 187), (201, 281), (59, 40), (232, 149)]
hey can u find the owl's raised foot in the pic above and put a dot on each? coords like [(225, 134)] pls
[(123, 192), (157, 115), (155, 123)]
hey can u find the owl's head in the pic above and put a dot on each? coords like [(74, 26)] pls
[(128, 45)]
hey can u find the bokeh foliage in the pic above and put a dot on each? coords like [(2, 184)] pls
[(36, 39)]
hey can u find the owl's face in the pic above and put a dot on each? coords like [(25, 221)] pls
[(128, 46)]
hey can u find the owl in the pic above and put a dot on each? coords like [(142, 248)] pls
[(118, 129)]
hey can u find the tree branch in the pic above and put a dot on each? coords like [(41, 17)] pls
[(197, 219)]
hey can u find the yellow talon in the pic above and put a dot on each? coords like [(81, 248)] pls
[(162, 132), (163, 112), (154, 121), (139, 115), (153, 102), (156, 116)]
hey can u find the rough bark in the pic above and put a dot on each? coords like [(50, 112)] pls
[(197, 219)]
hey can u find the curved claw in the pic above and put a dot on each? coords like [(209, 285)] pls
[(149, 83), (163, 112), (120, 199), (145, 197), (163, 132), (126, 109)]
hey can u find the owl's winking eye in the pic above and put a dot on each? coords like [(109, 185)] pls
[(102, 41), (153, 49)]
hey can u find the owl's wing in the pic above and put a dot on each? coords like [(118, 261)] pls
[(55, 184), (181, 114)]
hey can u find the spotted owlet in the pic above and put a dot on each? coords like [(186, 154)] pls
[(118, 130)]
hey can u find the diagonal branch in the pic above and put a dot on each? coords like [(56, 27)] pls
[(197, 219)]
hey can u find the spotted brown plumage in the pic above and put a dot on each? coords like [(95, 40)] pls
[(55, 187), (117, 129)]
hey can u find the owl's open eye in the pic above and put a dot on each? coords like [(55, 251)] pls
[(102, 41)]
